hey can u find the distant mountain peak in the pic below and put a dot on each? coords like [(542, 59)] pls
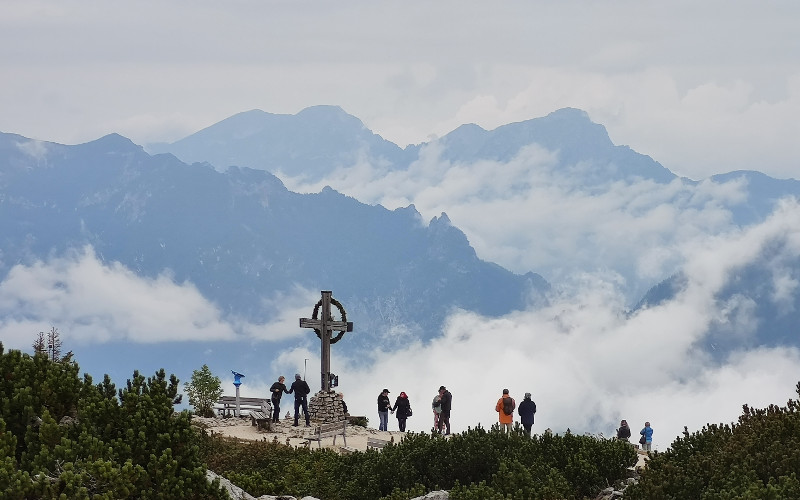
[(569, 113), (442, 220)]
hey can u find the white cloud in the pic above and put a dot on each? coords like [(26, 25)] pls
[(35, 149), (92, 301)]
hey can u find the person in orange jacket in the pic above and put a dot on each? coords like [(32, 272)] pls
[(505, 407)]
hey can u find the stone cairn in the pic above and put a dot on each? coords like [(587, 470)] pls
[(326, 407)]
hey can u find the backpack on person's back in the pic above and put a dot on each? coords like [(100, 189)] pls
[(508, 405)]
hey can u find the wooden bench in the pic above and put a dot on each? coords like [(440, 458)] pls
[(227, 404), (329, 430), (376, 443), (262, 420)]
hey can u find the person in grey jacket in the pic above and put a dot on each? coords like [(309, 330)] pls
[(526, 410)]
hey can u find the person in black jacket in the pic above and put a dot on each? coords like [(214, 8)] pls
[(526, 410), (383, 410), (624, 431), (402, 407), (276, 391), (301, 390), (447, 402)]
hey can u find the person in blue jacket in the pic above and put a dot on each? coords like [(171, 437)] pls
[(526, 409), (647, 434)]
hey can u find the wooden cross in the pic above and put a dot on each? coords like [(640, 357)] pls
[(324, 326)]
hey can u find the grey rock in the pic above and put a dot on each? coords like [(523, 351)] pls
[(234, 491), (434, 495)]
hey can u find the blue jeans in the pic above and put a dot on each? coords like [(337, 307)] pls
[(384, 416), (297, 404)]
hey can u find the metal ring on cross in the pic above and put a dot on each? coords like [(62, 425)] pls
[(340, 333)]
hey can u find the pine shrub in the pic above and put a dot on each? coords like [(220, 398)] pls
[(756, 458)]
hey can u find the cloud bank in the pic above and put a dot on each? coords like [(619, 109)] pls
[(588, 364), (92, 301)]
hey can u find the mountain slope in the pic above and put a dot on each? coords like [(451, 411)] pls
[(242, 237)]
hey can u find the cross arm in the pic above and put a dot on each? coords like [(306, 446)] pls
[(333, 325)]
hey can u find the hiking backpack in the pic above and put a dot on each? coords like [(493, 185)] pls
[(508, 405)]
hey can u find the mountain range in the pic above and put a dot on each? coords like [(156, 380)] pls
[(211, 210)]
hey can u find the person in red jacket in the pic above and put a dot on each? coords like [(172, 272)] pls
[(505, 408)]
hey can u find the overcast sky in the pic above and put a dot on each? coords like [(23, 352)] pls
[(703, 87)]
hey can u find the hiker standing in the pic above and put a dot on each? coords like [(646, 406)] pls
[(505, 408), (526, 411), (276, 391), (446, 403), (647, 437), (437, 412), (624, 431), (383, 410), (301, 390), (402, 407)]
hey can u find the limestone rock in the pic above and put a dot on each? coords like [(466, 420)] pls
[(435, 495)]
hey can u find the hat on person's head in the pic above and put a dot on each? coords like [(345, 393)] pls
[(442, 388), (386, 391), (297, 376), (527, 395), (505, 391)]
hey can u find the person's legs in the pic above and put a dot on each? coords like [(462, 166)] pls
[(435, 422), (296, 411), (276, 410), (401, 424), (648, 446), (305, 411), (527, 428), (445, 419), (383, 417)]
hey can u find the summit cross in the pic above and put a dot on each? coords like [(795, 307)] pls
[(324, 328)]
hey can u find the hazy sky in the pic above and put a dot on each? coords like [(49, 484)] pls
[(703, 87)]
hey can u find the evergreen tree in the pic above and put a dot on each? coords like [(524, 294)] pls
[(204, 390), (39, 346), (54, 344)]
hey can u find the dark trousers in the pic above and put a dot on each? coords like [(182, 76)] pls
[(297, 404), (276, 410), (444, 420), (401, 423), (527, 428)]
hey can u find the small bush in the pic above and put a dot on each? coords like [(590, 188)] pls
[(359, 421), (204, 390)]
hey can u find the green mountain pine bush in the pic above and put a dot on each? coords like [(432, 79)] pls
[(757, 458), (473, 464), (114, 445)]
